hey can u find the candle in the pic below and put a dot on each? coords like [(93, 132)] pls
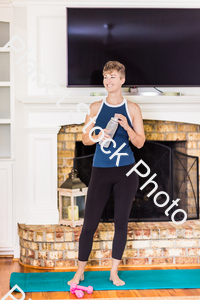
[(76, 213)]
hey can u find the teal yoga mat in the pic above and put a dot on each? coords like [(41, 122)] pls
[(139, 279)]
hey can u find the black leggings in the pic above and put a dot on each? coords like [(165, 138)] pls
[(102, 181)]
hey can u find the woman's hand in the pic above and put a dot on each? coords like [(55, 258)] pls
[(123, 121), (106, 136)]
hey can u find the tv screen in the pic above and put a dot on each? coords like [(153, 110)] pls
[(158, 46)]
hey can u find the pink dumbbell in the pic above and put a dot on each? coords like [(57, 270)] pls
[(74, 287), (79, 293)]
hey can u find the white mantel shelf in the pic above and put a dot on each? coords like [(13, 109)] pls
[(184, 108), (185, 99)]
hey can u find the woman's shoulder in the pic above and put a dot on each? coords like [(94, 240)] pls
[(94, 107), (132, 106), (133, 109)]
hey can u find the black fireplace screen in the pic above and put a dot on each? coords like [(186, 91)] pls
[(176, 176)]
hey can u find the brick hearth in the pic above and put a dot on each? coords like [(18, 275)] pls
[(148, 243)]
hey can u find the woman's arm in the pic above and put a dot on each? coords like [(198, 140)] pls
[(87, 141), (136, 135)]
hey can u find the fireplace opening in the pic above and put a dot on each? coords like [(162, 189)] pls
[(177, 175)]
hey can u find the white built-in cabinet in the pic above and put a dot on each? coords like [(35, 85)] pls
[(6, 143)]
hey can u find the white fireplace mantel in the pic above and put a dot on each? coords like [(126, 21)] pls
[(40, 124), (48, 112)]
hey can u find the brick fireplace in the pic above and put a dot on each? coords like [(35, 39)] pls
[(148, 243), (154, 131)]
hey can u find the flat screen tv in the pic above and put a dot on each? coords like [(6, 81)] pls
[(158, 46)]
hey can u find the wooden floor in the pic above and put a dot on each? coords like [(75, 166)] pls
[(7, 266)]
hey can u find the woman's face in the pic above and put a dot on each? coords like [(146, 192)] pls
[(112, 81)]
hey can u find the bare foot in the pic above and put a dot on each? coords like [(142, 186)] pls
[(116, 280), (76, 279)]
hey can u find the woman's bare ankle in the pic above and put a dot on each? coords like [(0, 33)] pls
[(79, 275)]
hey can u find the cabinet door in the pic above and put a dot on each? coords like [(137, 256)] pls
[(6, 215)]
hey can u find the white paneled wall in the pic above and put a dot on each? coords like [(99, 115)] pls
[(42, 176)]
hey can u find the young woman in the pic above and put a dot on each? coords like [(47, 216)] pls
[(107, 175)]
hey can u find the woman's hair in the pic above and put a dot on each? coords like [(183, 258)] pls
[(114, 65)]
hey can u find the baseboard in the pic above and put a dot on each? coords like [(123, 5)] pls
[(6, 252), (6, 255), (15, 259)]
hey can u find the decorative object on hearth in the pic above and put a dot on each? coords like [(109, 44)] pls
[(72, 197)]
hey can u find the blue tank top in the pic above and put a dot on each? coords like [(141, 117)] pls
[(101, 159)]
